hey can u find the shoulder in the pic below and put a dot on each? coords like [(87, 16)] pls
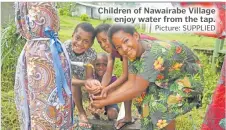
[(67, 43), (91, 53)]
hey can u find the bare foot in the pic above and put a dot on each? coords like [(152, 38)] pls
[(83, 121)]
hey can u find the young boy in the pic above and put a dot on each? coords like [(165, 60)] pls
[(100, 66), (79, 49)]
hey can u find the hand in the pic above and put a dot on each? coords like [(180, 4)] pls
[(103, 94), (93, 86), (98, 103)]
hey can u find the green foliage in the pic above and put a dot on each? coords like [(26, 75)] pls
[(65, 8), (11, 45), (210, 80), (9, 117), (190, 121), (64, 11), (84, 17), (61, 11)]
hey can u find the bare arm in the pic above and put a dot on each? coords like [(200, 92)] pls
[(108, 74), (130, 89), (123, 77), (80, 82), (76, 81), (91, 85)]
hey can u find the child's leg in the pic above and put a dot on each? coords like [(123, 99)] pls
[(128, 116), (112, 111), (128, 113), (77, 97)]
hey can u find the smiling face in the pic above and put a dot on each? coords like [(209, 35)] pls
[(126, 44), (81, 41), (100, 66), (103, 41)]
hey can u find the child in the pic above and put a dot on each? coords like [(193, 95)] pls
[(100, 66), (170, 74), (79, 49), (102, 38)]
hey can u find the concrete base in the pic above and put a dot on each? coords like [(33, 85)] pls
[(109, 125)]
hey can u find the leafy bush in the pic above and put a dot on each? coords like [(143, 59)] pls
[(64, 11), (84, 17), (67, 13), (210, 79), (191, 120), (11, 45), (65, 8), (61, 11)]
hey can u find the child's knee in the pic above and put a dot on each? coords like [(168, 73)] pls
[(112, 113)]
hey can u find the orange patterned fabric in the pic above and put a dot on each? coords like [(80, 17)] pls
[(36, 97), (33, 17)]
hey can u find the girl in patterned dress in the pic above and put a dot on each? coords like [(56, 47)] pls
[(101, 36), (169, 73)]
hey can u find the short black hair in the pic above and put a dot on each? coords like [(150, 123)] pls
[(102, 54), (102, 28), (86, 27), (127, 28)]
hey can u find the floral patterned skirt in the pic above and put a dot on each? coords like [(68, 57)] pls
[(159, 106)]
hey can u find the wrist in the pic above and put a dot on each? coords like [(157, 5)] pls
[(110, 87), (103, 102)]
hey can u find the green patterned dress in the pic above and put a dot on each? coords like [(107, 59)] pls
[(176, 82)]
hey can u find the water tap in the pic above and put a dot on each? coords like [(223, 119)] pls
[(81, 64)]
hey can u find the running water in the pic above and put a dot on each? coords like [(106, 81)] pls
[(82, 64), (90, 65)]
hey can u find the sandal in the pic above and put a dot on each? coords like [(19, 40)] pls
[(82, 125), (126, 123)]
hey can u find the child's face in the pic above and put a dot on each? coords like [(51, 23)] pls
[(103, 41), (100, 66), (126, 44), (81, 41)]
